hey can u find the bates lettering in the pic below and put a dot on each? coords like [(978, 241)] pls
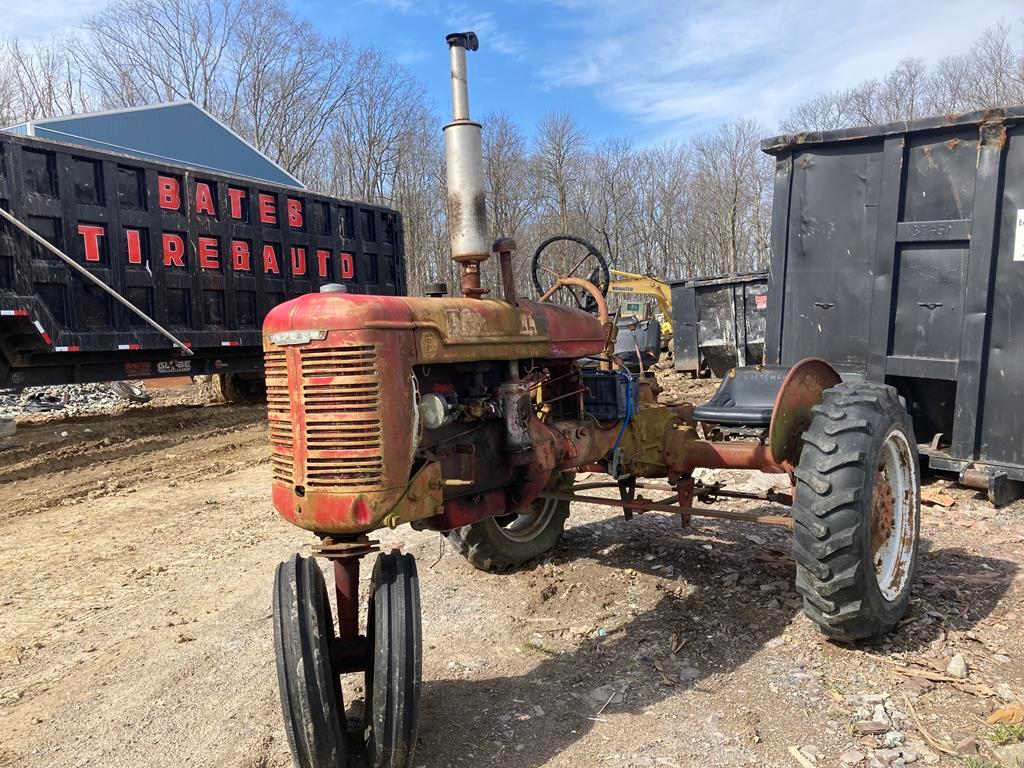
[(204, 199), (169, 193)]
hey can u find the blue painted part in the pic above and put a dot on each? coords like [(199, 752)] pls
[(179, 133)]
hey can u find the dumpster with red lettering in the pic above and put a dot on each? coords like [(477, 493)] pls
[(203, 255)]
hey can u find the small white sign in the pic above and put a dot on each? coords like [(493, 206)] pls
[(1018, 238)]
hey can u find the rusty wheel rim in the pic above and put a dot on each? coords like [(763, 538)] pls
[(893, 502), (526, 526)]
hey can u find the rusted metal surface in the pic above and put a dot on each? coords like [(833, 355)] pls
[(342, 548), (339, 465), (684, 497), (423, 497), (346, 588), (344, 416), (801, 390), (469, 509), (881, 519), (607, 327), (589, 287), (654, 437), (505, 247), (659, 506), (731, 455), (582, 443), (708, 493), (456, 330), (975, 478), (470, 279)]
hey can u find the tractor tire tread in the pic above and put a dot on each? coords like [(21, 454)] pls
[(832, 509)]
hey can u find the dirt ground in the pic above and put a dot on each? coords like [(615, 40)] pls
[(136, 563)]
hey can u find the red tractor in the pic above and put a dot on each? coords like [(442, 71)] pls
[(471, 416)]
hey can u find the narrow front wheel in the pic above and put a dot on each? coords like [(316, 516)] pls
[(311, 700), (394, 675)]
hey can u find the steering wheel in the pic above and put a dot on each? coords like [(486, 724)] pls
[(559, 263)]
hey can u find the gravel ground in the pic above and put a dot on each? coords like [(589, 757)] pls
[(36, 404), (71, 399)]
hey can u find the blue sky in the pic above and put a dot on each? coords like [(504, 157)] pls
[(640, 68)]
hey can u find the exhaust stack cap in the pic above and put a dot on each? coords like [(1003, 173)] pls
[(333, 288), (467, 40), (435, 290)]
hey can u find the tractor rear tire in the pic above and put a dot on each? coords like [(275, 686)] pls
[(311, 699), (508, 541), (857, 512)]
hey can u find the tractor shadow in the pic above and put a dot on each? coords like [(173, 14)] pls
[(525, 720)]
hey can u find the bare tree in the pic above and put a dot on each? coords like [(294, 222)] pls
[(727, 170), (161, 50), (558, 158), (288, 85), (990, 74), (42, 79), (903, 92), (824, 112), (997, 70), (951, 85), (379, 120), (506, 166), (268, 75), (360, 126)]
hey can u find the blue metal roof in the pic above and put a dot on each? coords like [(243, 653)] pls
[(177, 133)]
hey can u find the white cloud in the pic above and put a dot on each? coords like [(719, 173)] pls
[(37, 20), (678, 66), (459, 16)]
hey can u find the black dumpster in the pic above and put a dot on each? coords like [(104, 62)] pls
[(718, 322), (203, 254), (898, 255), (638, 342)]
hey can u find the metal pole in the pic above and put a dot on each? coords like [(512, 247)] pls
[(504, 248), (92, 278), (658, 506), (460, 85)]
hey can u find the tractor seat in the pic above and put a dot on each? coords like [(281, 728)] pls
[(745, 397)]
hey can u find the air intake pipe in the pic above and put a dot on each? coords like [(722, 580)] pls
[(466, 204)]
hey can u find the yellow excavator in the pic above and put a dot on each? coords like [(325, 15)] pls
[(646, 285)]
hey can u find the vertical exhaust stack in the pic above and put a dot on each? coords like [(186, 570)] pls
[(467, 209)]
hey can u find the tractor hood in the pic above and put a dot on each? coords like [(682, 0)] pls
[(445, 329)]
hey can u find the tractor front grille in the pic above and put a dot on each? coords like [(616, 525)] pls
[(279, 416), (342, 403)]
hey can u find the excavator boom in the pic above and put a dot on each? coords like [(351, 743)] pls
[(645, 285)]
